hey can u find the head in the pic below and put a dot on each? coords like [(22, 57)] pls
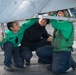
[(43, 22), (60, 13), (13, 26), (49, 13)]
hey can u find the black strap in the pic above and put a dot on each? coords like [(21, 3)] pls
[(16, 40), (71, 48)]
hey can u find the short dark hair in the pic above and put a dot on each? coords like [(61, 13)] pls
[(10, 24), (59, 10), (48, 21)]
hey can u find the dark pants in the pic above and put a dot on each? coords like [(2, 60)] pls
[(9, 51), (45, 54), (27, 50), (61, 61), (26, 53)]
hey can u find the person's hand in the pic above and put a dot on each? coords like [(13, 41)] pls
[(49, 38), (1, 36), (36, 16), (50, 13)]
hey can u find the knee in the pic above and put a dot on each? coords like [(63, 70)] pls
[(39, 52), (8, 45), (44, 51), (27, 56)]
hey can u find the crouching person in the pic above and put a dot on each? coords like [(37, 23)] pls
[(62, 42), (35, 37), (60, 57), (12, 52), (10, 43)]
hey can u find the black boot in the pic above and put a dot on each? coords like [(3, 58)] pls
[(27, 62), (49, 67), (73, 64)]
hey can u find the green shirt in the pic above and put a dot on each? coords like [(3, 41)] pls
[(11, 37), (63, 36)]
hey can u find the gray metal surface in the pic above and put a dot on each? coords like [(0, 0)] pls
[(20, 9), (11, 10), (58, 18), (54, 5)]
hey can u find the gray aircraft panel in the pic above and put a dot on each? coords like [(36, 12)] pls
[(20, 9), (11, 10), (54, 5)]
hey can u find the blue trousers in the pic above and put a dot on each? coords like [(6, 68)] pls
[(11, 51), (60, 61), (26, 53), (45, 54)]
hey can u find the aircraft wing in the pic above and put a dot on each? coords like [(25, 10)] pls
[(54, 5), (11, 10)]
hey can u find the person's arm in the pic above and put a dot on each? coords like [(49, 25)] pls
[(46, 37), (45, 34), (28, 23), (64, 26), (53, 22), (2, 39), (67, 30)]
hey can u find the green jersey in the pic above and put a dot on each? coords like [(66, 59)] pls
[(16, 38), (63, 36)]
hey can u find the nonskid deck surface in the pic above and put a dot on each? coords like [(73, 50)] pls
[(34, 69)]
